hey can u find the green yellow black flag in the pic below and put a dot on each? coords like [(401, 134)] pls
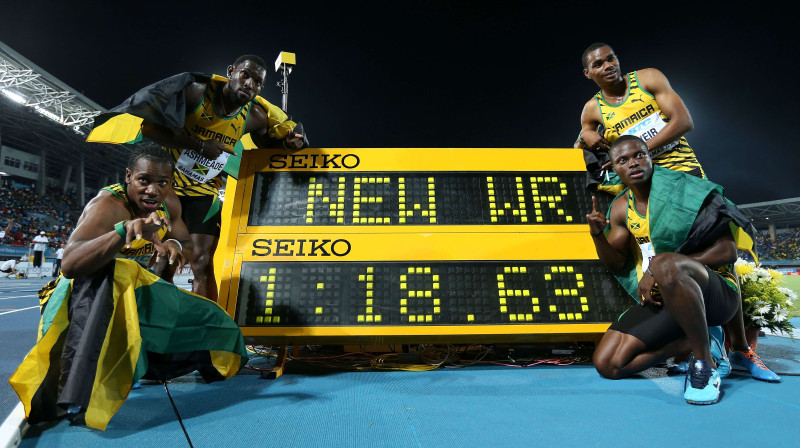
[(100, 334)]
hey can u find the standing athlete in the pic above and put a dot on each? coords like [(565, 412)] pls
[(640, 103)]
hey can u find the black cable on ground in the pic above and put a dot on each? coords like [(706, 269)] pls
[(178, 414)]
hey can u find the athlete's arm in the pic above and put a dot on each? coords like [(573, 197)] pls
[(95, 241), (722, 252), (590, 120), (258, 127), (174, 138), (680, 121), (612, 248)]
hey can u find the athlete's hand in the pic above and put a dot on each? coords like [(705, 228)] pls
[(645, 290), (173, 252), (147, 229), (597, 220), (293, 141), (213, 148), (595, 141)]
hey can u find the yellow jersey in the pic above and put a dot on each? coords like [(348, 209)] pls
[(194, 174), (639, 115)]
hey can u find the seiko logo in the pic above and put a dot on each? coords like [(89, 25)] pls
[(279, 161), (263, 247)]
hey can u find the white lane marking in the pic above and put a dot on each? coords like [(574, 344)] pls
[(19, 297), (21, 309)]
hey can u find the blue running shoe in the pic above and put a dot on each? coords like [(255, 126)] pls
[(136, 385), (753, 364), (702, 383), (716, 341)]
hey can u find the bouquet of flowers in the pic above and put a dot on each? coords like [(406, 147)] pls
[(765, 302)]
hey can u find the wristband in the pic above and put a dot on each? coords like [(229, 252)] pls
[(180, 246), (120, 228), (650, 272)]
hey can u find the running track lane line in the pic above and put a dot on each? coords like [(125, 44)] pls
[(21, 309)]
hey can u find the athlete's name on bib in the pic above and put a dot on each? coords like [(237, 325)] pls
[(209, 134), (193, 155), (280, 161), (642, 239), (263, 247)]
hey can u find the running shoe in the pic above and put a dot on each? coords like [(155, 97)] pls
[(750, 361), (716, 341), (702, 383)]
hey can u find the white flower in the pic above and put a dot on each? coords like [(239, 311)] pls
[(759, 320), (762, 307), (790, 294), (781, 314)]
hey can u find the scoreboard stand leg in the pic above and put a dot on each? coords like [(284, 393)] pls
[(280, 363)]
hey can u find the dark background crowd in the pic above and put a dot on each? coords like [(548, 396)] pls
[(785, 246), (55, 213)]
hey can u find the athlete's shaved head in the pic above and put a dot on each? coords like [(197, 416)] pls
[(152, 153), (622, 140), (252, 58), (591, 48)]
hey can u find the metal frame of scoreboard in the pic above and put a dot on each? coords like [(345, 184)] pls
[(501, 254)]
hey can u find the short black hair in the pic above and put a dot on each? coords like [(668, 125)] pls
[(590, 49), (150, 152), (252, 58), (622, 140)]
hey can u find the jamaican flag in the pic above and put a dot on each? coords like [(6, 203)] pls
[(687, 214), (163, 103), (100, 334)]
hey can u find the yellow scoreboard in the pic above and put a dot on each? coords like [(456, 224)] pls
[(379, 245)]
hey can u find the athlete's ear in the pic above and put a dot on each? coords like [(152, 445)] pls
[(230, 71), (128, 176), (586, 73)]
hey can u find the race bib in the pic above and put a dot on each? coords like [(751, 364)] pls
[(198, 168), (649, 128), (647, 254)]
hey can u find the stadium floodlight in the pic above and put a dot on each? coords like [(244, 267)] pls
[(14, 96), (285, 62)]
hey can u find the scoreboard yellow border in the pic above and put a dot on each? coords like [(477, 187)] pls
[(529, 242)]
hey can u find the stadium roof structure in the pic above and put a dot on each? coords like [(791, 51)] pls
[(39, 114), (780, 213)]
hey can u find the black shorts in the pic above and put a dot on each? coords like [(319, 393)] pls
[(195, 211), (656, 327), (37, 259)]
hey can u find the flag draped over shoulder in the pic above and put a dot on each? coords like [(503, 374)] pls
[(686, 215), (100, 334), (164, 103)]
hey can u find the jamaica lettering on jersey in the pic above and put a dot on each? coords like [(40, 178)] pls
[(141, 250), (639, 115), (194, 174)]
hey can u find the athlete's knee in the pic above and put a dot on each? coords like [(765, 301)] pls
[(606, 366), (671, 269), (202, 264)]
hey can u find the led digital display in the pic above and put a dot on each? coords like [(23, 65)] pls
[(393, 244), (427, 293), (337, 199)]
